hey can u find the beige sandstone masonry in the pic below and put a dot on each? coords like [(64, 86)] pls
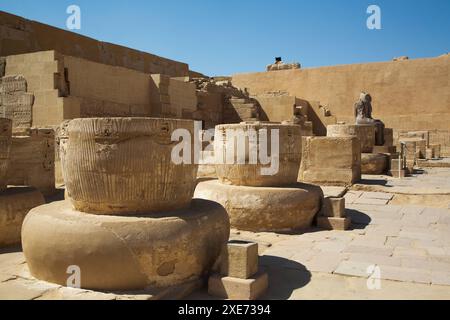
[(15, 203), (365, 134), (146, 231), (33, 160), (331, 161), (5, 148), (124, 165), (122, 253), (408, 95), (261, 209), (250, 174), (19, 35)]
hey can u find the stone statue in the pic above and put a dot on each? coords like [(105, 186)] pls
[(363, 114)]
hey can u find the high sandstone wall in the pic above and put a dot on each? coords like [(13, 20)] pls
[(408, 95), (19, 35)]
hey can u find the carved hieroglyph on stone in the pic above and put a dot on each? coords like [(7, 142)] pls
[(249, 174), (147, 232), (16, 103), (365, 133), (5, 148), (124, 165), (33, 160)]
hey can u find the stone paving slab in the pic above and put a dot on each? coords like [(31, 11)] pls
[(377, 195)]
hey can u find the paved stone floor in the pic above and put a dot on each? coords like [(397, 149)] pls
[(394, 250)]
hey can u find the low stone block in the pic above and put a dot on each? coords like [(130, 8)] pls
[(329, 223), (374, 163), (331, 161), (436, 150), (429, 154), (333, 208), (239, 259), (238, 289)]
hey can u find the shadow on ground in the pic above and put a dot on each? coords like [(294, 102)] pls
[(360, 220), (285, 276)]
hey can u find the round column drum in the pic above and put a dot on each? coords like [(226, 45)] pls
[(124, 166)]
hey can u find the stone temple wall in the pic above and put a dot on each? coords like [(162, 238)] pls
[(408, 95), (19, 35)]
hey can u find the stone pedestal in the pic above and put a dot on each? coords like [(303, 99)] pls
[(265, 208), (331, 161), (374, 163), (365, 134), (123, 252), (130, 222)]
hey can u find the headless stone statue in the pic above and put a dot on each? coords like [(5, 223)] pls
[(363, 114)]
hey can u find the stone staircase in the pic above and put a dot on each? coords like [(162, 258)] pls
[(240, 109)]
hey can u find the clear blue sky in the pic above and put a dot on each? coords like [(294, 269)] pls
[(220, 37)]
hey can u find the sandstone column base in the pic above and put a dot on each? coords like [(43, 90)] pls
[(374, 163), (238, 289), (15, 203), (116, 253), (263, 209)]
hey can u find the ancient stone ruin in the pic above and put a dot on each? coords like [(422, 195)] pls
[(255, 200), (125, 175), (126, 225)]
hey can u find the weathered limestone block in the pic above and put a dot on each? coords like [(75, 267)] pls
[(388, 137), (395, 173), (238, 289), (15, 203), (330, 223), (436, 150), (239, 259), (124, 253), (365, 133), (261, 209), (32, 161), (384, 149), (124, 166), (229, 137), (333, 207), (331, 161), (374, 163), (421, 146), (5, 148)]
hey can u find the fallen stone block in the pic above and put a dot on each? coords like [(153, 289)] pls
[(238, 289), (239, 259)]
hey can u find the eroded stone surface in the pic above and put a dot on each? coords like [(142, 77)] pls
[(262, 208), (124, 166), (124, 253)]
